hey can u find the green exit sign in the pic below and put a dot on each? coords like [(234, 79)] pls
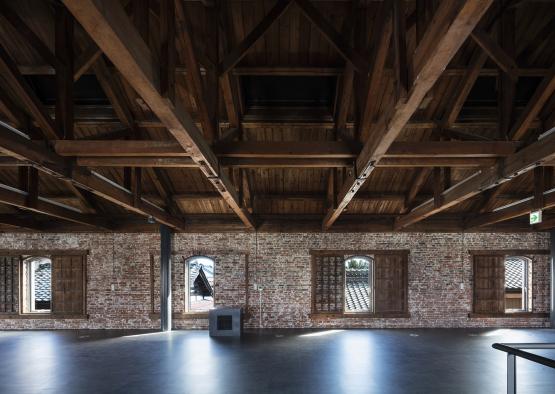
[(535, 217)]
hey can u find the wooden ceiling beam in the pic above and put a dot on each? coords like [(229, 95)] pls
[(402, 63), (495, 52), (227, 81), (449, 28), (326, 154), (363, 197), (85, 60), (22, 221), (512, 211), (25, 200), (419, 181), (255, 162), (26, 94), (194, 78), (181, 69), (168, 53), (21, 28), (542, 94), (238, 52), (300, 149), (64, 72), (21, 148), (516, 164), (115, 34), (381, 34), (465, 86), (138, 161), (339, 42), (15, 115)]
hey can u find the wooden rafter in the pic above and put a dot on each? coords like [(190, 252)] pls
[(27, 201), (512, 211), (114, 33), (402, 66), (518, 163), (21, 221), (420, 179), (543, 92), (465, 86), (237, 53), (21, 148), (14, 115), (21, 28), (27, 96), (495, 52), (337, 40), (381, 33), (451, 25), (87, 58), (185, 40)]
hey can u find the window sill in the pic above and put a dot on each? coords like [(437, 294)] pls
[(401, 315), (528, 315), (41, 316), (182, 316)]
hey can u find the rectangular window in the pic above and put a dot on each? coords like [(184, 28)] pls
[(502, 284), (517, 284), (37, 286), (43, 284), (200, 284), (372, 283), (359, 284)]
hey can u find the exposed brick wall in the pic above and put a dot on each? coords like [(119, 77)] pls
[(438, 264)]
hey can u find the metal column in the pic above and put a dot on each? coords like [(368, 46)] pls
[(165, 278), (511, 374), (552, 282)]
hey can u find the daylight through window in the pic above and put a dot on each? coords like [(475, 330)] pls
[(200, 285), (517, 285), (37, 272), (359, 289)]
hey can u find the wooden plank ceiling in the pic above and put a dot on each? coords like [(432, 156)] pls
[(288, 115)]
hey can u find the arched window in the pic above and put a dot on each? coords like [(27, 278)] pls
[(37, 294), (517, 284), (359, 284), (200, 284)]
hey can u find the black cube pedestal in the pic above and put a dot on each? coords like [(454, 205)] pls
[(225, 322)]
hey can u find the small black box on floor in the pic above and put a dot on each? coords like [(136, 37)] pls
[(225, 322)]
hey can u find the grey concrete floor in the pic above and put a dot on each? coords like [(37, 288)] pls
[(286, 361)]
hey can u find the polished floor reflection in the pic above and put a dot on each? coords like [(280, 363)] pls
[(327, 361)]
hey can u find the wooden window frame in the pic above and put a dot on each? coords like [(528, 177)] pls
[(529, 253), (45, 252), (349, 253)]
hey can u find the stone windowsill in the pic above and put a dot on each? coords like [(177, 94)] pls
[(515, 315), (182, 316), (42, 316)]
